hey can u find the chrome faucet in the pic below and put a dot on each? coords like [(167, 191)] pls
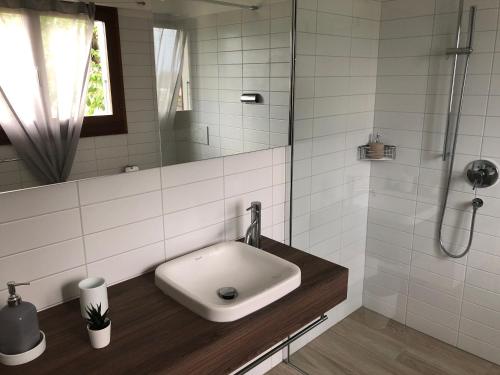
[(252, 237)]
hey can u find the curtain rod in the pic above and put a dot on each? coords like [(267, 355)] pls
[(9, 160), (228, 4)]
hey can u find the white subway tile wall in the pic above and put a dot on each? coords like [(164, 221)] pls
[(106, 155), (335, 102), (124, 225), (407, 277)]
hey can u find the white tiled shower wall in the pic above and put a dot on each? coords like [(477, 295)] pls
[(407, 278), (105, 155), (336, 71), (124, 225)]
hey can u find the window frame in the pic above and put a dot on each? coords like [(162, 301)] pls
[(116, 123)]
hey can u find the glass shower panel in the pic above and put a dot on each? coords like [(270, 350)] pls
[(337, 52), (368, 67)]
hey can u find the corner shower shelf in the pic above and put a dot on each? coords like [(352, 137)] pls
[(389, 153)]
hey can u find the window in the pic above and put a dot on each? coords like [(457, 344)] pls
[(168, 59), (184, 100), (99, 88), (105, 102), (105, 111)]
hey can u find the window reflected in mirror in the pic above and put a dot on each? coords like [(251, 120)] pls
[(98, 101)]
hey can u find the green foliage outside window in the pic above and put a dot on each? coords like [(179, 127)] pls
[(95, 94)]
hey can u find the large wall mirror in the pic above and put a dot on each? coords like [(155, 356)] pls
[(169, 81)]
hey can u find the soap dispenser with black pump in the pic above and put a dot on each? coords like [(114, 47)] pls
[(21, 339)]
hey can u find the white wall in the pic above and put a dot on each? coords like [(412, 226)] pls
[(407, 277), (335, 98), (107, 155), (121, 226)]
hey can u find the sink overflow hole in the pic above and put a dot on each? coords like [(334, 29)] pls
[(227, 293)]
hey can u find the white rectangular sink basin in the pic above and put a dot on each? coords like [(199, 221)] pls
[(195, 280)]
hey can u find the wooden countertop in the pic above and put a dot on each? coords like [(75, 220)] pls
[(153, 334)]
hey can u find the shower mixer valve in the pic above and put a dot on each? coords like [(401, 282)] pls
[(476, 177), (482, 174)]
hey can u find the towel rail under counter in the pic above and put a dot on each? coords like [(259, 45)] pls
[(285, 344)]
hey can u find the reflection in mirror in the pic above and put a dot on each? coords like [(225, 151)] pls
[(208, 55), (179, 66), (119, 126)]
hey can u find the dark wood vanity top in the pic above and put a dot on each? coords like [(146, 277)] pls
[(153, 334)]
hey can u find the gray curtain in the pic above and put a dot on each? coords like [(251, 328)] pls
[(43, 81)]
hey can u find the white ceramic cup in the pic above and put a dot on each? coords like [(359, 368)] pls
[(93, 291)]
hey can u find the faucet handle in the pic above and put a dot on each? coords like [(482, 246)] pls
[(255, 204), (478, 177)]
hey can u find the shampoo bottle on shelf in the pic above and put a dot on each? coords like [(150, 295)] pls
[(376, 150)]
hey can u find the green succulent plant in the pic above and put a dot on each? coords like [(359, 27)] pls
[(97, 320)]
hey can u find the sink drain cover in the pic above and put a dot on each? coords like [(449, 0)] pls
[(228, 293)]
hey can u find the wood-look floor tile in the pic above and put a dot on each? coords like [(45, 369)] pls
[(366, 343), (283, 369)]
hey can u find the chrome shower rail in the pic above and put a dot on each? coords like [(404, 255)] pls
[(476, 203), (456, 52), (459, 51)]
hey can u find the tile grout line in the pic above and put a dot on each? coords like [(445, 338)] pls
[(163, 229), (120, 198), (82, 231), (135, 249), (40, 215), (52, 275), (224, 196), (20, 252)]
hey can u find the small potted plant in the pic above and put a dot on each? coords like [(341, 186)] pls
[(98, 326)]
